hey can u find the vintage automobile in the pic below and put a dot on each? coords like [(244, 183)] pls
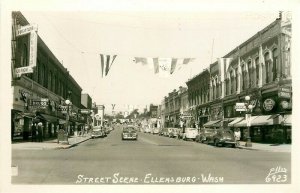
[(204, 134), (97, 132), (190, 133), (155, 130), (223, 137), (147, 129), (173, 132), (129, 132)]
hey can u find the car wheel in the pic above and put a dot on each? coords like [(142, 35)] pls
[(216, 142), (233, 145)]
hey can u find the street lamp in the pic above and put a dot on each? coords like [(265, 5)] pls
[(249, 108), (68, 103)]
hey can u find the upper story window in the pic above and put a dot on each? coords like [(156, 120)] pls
[(275, 63), (267, 67), (249, 67), (257, 69)]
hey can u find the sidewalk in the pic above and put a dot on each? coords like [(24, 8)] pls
[(267, 147), (51, 144)]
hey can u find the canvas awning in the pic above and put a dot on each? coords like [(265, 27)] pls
[(49, 118), (211, 123), (258, 121), (287, 120), (236, 120)]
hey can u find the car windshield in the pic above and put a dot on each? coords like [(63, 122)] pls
[(209, 130), (129, 129)]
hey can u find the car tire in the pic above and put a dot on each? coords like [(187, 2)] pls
[(216, 142), (233, 146)]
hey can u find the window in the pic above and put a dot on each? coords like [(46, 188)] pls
[(249, 74), (257, 70), (50, 80), (236, 79), (232, 78), (227, 86), (244, 76), (267, 67), (275, 63)]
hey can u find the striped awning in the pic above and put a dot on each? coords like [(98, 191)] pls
[(287, 120), (259, 120), (236, 120), (212, 123)]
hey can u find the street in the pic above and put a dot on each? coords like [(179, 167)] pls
[(152, 159)]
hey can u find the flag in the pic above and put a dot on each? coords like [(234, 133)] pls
[(223, 64), (106, 63), (163, 66)]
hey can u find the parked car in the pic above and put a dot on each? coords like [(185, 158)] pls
[(129, 132), (173, 132), (223, 137), (205, 134), (97, 132), (190, 133), (147, 129), (168, 132), (155, 130)]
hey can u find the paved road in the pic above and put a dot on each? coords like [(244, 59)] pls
[(149, 160)]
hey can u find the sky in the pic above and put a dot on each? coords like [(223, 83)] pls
[(77, 39)]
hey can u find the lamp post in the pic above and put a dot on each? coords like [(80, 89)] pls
[(68, 103), (249, 108)]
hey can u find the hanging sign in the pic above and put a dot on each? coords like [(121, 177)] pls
[(269, 104), (240, 107), (26, 30)]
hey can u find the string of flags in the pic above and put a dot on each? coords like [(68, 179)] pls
[(106, 63), (163, 65), (160, 65)]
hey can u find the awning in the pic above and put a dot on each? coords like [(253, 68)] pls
[(258, 121), (236, 120), (49, 118), (211, 123), (287, 120)]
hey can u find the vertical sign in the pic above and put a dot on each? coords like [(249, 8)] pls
[(33, 49), (32, 30)]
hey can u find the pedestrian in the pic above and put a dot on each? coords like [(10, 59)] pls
[(40, 131), (237, 135), (33, 133)]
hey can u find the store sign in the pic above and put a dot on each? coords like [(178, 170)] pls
[(268, 104), (33, 49), (32, 30), (240, 107), (26, 30), (39, 103), (85, 111), (23, 70)]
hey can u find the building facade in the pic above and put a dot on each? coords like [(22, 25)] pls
[(40, 96), (199, 97), (259, 68)]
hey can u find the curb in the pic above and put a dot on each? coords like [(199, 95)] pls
[(72, 145)]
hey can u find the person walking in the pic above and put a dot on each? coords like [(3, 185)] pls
[(40, 132), (237, 135)]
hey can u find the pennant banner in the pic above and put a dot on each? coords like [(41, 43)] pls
[(106, 63), (163, 66), (224, 64)]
